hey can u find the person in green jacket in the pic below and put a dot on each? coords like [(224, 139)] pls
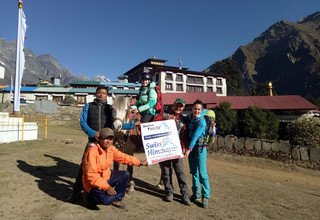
[(146, 99), (145, 105)]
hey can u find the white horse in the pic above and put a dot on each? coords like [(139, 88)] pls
[(124, 138)]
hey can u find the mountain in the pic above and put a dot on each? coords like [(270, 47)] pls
[(37, 68), (287, 54)]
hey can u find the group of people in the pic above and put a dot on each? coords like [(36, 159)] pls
[(103, 185)]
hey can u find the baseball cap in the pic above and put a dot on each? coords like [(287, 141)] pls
[(180, 100), (106, 132)]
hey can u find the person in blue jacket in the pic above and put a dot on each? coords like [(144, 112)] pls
[(197, 156), (94, 116)]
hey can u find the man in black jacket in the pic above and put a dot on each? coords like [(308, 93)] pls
[(95, 116)]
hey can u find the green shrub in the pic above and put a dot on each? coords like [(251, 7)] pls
[(305, 132), (258, 123), (226, 119), (69, 100)]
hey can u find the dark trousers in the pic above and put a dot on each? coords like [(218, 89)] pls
[(118, 180), (116, 167), (78, 186), (166, 172), (146, 118)]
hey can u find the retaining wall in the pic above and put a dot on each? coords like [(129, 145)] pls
[(271, 148)]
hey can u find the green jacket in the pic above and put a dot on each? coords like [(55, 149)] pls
[(147, 100)]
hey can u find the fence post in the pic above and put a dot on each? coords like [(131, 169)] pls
[(22, 129), (46, 127)]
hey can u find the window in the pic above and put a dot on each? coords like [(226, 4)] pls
[(57, 99), (179, 87), (219, 90), (209, 89), (194, 89), (179, 78), (41, 97), (169, 76), (195, 80), (219, 82), (169, 86), (81, 99), (209, 81)]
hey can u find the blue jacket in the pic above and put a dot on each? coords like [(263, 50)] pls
[(197, 130)]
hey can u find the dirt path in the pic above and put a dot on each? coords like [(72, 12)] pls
[(36, 179)]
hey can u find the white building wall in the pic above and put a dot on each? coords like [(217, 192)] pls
[(205, 85), (12, 129)]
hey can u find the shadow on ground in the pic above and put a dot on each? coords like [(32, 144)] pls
[(153, 190), (53, 179)]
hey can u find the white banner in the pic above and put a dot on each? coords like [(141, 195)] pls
[(1, 72), (161, 141), (20, 60)]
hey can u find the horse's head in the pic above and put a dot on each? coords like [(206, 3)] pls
[(120, 107)]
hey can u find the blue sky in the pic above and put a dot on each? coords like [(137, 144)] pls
[(109, 37)]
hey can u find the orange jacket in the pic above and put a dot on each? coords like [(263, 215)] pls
[(97, 162)]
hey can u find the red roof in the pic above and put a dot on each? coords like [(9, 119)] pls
[(205, 97), (286, 102)]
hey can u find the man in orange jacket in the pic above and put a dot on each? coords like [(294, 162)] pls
[(102, 185)]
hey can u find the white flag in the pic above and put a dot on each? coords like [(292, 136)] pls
[(11, 89), (20, 61)]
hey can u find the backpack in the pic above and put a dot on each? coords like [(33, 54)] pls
[(210, 132), (159, 106)]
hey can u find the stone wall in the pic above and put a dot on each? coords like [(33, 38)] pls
[(275, 149)]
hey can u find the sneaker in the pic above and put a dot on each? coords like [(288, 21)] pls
[(195, 199), (205, 202), (160, 185), (131, 186), (186, 201), (168, 198), (119, 204)]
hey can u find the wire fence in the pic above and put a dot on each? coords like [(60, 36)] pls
[(15, 127)]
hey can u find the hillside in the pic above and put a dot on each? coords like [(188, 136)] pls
[(37, 68), (288, 54)]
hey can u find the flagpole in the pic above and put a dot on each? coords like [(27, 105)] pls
[(20, 58)]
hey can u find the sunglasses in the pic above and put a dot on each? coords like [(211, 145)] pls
[(179, 105)]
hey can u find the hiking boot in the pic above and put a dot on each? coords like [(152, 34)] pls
[(90, 204), (195, 199), (186, 201), (75, 197), (119, 204), (168, 198), (205, 203)]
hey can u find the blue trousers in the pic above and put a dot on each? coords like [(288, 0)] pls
[(119, 180), (198, 169)]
